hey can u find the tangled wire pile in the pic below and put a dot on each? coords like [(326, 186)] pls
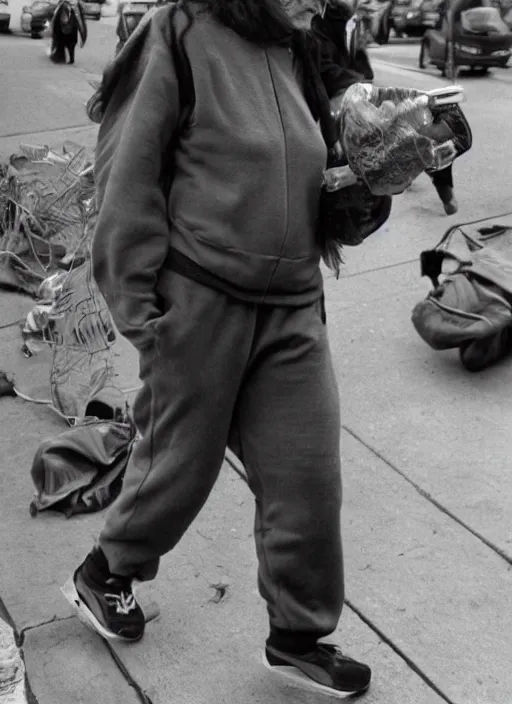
[(45, 208), (47, 215)]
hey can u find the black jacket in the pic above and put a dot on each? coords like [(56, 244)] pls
[(331, 29)]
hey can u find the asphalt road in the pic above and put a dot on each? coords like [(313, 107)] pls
[(404, 53)]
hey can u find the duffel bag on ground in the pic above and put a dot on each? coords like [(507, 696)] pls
[(471, 308)]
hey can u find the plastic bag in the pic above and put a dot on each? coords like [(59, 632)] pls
[(384, 135), (380, 135)]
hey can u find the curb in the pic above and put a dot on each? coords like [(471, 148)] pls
[(12, 668)]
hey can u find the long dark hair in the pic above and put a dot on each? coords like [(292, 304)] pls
[(263, 22)]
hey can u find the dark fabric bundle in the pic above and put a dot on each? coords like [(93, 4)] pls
[(81, 470)]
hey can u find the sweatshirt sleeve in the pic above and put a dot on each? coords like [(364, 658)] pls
[(336, 78), (131, 238)]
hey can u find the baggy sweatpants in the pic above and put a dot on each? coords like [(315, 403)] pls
[(260, 380)]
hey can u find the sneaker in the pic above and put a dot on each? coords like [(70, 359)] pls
[(109, 608), (324, 669)]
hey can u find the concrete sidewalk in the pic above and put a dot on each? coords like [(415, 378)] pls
[(426, 520)]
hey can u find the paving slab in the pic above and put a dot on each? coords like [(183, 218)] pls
[(436, 591), (442, 426), (68, 663), (211, 652), (58, 93)]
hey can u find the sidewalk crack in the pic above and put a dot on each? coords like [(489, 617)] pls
[(54, 619), (426, 495), (414, 667), (53, 129), (141, 694), (372, 270)]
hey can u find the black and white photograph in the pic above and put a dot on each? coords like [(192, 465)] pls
[(255, 351)]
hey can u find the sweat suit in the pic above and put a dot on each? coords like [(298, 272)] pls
[(244, 363)]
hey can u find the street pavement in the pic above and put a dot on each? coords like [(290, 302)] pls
[(426, 448)]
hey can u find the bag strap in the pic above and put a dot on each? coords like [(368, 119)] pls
[(183, 69), (186, 93)]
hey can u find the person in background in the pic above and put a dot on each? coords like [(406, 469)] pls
[(330, 25), (217, 283)]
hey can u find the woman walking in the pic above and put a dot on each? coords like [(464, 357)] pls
[(216, 281)]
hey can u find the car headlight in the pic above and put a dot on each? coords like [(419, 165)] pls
[(468, 49), (412, 15)]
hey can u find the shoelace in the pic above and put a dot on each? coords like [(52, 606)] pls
[(124, 602)]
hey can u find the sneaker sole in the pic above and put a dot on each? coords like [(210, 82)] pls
[(302, 680), (86, 616)]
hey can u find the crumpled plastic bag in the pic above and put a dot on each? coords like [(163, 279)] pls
[(389, 137), (81, 470)]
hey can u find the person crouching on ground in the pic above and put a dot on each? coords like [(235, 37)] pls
[(218, 286)]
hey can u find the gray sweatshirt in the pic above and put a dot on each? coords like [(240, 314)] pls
[(244, 198)]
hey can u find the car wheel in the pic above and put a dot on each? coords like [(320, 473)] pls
[(36, 35), (4, 26), (425, 59)]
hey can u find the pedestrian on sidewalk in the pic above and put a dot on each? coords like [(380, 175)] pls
[(331, 25), (219, 288)]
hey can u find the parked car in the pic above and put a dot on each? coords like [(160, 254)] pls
[(480, 41), (36, 17), (406, 18), (92, 10), (5, 16)]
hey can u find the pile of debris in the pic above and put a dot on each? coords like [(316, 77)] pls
[(46, 208), (47, 215)]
